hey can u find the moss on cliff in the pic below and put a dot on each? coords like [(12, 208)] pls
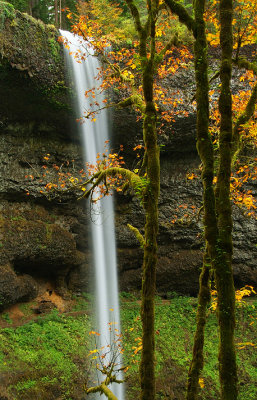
[(36, 245), (31, 46), (31, 68), (6, 11), (32, 242)]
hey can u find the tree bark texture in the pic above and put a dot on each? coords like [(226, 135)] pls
[(205, 151), (150, 203), (223, 259), (150, 197), (197, 362), (217, 208)]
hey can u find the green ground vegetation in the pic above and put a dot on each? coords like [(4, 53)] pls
[(49, 356), (45, 357)]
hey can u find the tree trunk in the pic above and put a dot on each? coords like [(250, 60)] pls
[(56, 19), (60, 14), (150, 203), (196, 364), (147, 365), (223, 259), (217, 208), (205, 150)]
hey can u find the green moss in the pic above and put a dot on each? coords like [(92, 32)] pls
[(53, 351), (6, 11), (39, 59), (6, 317), (49, 232), (50, 352), (54, 47)]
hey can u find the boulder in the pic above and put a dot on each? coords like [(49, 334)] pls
[(15, 288), (34, 246)]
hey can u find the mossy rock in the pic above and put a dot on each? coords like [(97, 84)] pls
[(14, 288), (33, 248), (32, 76), (36, 246)]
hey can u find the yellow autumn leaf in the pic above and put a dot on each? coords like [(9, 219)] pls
[(138, 349), (93, 351), (201, 383)]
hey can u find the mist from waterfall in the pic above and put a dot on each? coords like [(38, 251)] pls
[(94, 135)]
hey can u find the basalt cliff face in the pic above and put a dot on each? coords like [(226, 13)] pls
[(48, 241)]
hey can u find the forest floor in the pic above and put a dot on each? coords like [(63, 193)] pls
[(45, 352)]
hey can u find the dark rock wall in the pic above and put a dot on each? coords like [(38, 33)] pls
[(42, 239), (31, 72), (39, 238), (50, 238)]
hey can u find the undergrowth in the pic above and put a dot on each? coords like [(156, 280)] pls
[(47, 358), (175, 326)]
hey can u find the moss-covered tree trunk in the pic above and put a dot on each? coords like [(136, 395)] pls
[(205, 150), (150, 201), (150, 196), (148, 188), (223, 259), (217, 208), (147, 365), (197, 361)]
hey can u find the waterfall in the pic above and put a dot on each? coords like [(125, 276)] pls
[(94, 136)]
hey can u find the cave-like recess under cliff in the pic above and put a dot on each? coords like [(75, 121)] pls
[(46, 241)]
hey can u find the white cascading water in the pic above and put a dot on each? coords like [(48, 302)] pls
[(94, 135)]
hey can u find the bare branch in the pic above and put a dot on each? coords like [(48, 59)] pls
[(133, 100)]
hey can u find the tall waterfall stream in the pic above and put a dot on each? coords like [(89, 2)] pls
[(94, 135)]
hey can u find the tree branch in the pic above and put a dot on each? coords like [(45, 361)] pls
[(133, 100), (136, 16), (172, 42), (181, 12), (103, 387), (243, 119), (137, 234), (215, 76), (137, 184), (243, 63)]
